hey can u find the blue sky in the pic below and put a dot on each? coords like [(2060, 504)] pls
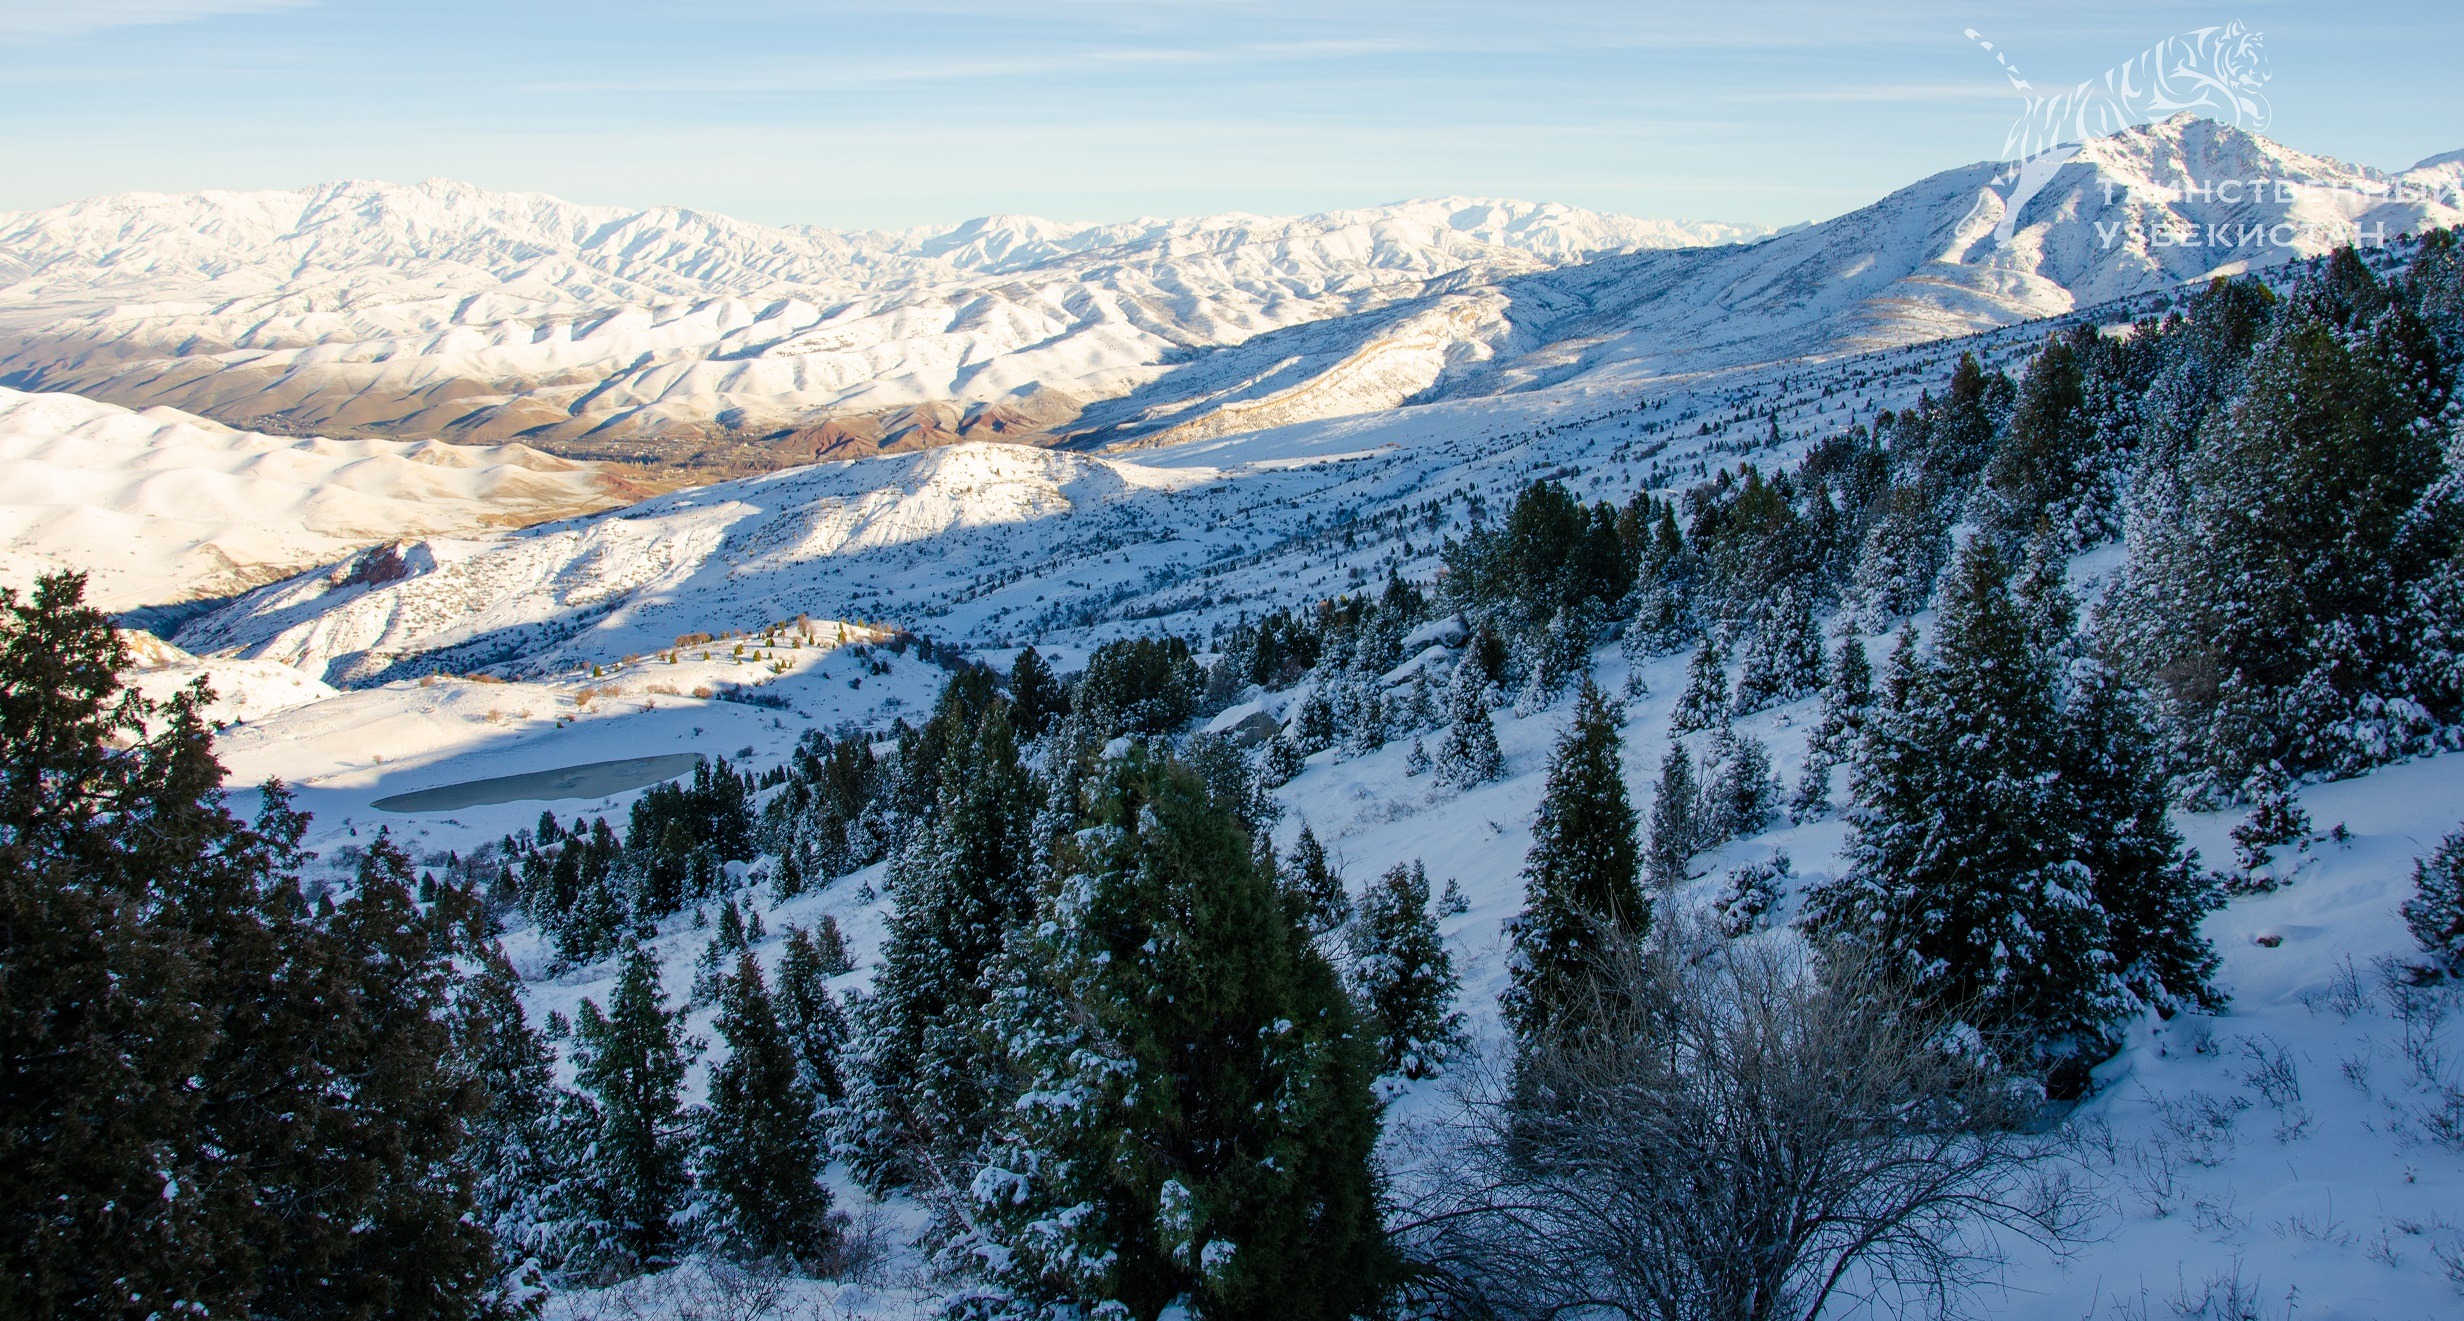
[(882, 114)]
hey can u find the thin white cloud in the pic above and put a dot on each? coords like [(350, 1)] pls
[(50, 18)]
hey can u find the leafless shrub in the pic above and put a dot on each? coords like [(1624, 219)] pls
[(2199, 1127), (700, 1290), (1724, 1133), (2345, 993), (2269, 1070), (2226, 1296), (2155, 1177), (2218, 1218)]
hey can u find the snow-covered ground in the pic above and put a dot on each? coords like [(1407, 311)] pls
[(2290, 1145), (159, 507), (2291, 1141)]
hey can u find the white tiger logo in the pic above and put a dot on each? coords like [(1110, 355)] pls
[(2220, 70)]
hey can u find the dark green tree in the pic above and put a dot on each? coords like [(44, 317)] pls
[(1704, 703), (2149, 887), (2435, 912), (519, 1157), (1036, 697), (1403, 978), (2273, 596), (1313, 885), (960, 884), (1965, 875), (1676, 818), (215, 1096), (815, 1025), (630, 1061), (1194, 1120), (761, 1157), (1579, 880)]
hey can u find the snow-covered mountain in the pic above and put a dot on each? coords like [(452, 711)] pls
[(440, 309), (985, 545), (159, 506), (2137, 212), (443, 310)]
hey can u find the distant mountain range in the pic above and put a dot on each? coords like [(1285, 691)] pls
[(441, 310)]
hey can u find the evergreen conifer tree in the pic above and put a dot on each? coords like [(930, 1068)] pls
[(630, 1062), (213, 1089), (1783, 660), (2148, 886), (519, 1156), (2435, 912), (1579, 880), (1469, 754), (1704, 703), (815, 1025), (1195, 1122), (2271, 601), (1036, 697), (1964, 872), (959, 885), (1743, 794), (1314, 886), (761, 1159), (1676, 818), (1403, 978), (2275, 819)]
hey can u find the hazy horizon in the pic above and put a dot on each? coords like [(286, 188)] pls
[(875, 116)]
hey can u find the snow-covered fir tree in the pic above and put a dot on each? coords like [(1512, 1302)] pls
[(1469, 754), (921, 1076), (1964, 874), (2276, 599), (1783, 655), (1705, 703), (760, 1157), (2435, 912), (1194, 1122), (520, 1157), (815, 1024), (1676, 818), (1847, 692), (1742, 795), (1402, 976), (1752, 892), (2149, 887), (629, 1061), (2276, 817), (1314, 885), (1579, 880)]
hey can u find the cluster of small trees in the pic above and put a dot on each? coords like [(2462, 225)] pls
[(590, 891), (1123, 1048)]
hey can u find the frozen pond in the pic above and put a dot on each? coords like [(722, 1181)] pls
[(596, 779)]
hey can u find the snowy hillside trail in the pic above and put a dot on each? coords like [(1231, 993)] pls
[(439, 309), (159, 507)]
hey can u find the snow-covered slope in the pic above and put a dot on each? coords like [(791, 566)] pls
[(985, 544), (159, 506), (440, 309), (2213, 1175), (2137, 212)]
